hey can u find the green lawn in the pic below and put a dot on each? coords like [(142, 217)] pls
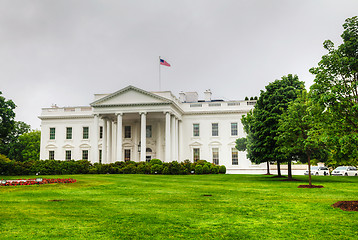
[(173, 207)]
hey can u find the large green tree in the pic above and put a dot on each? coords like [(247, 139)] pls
[(7, 122), (261, 123), (336, 89), (299, 131)]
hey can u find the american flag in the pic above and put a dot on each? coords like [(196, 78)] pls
[(163, 62)]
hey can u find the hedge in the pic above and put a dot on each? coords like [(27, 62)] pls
[(57, 167)]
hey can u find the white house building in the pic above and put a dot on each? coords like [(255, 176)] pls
[(135, 125)]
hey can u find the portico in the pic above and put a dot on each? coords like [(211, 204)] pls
[(136, 126), (136, 136)]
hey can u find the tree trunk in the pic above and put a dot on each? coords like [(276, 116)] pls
[(289, 169), (309, 169), (279, 169), (268, 168)]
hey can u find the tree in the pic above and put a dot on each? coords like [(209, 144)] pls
[(261, 123), (30, 145), (241, 144), (7, 121), (299, 131), (12, 149), (336, 89)]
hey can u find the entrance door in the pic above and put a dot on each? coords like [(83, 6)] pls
[(127, 155)]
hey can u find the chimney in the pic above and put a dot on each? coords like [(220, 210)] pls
[(207, 95), (182, 97)]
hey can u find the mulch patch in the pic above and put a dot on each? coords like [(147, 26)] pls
[(310, 186), (56, 200), (347, 205), (267, 174)]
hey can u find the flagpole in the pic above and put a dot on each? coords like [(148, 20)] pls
[(160, 89)]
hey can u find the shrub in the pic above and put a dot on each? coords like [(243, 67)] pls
[(198, 169), (206, 169), (155, 161), (156, 169), (222, 169), (166, 170), (214, 169)]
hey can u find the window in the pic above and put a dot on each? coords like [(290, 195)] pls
[(196, 154), (51, 155), (100, 132), (100, 156), (149, 131), (215, 129), (68, 155), (69, 133), (85, 132), (216, 156), (127, 132), (84, 154), (127, 155), (196, 129), (234, 156), (233, 129), (52, 133)]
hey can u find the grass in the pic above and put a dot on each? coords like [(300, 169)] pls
[(173, 207)]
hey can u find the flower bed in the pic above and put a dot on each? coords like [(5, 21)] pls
[(36, 181)]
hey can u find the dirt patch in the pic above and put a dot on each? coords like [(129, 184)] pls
[(310, 186), (207, 195), (267, 174), (56, 200), (347, 205)]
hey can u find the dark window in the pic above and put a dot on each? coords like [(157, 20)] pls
[(52, 133), (85, 154), (69, 133), (215, 129), (149, 131), (68, 155), (100, 132), (196, 154), (85, 132), (196, 130), (127, 155), (127, 132), (51, 155)]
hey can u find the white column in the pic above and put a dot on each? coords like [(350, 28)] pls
[(104, 141), (176, 139), (180, 141), (143, 137), (172, 141), (109, 149), (167, 137), (158, 150), (94, 144), (114, 141), (119, 137)]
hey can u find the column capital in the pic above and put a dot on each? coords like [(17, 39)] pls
[(142, 112), (165, 112), (119, 113)]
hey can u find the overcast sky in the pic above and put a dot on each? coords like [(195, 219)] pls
[(64, 51)]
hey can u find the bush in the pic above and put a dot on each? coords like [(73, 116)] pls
[(155, 161), (156, 169), (214, 169), (198, 169), (222, 169), (206, 169)]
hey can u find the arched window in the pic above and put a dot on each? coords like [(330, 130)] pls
[(148, 150)]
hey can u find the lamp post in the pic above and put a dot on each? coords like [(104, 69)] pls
[(139, 146)]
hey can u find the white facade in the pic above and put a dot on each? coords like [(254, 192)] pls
[(133, 124)]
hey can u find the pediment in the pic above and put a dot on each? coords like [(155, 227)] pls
[(68, 146), (85, 145), (214, 143), (130, 95), (51, 146), (195, 144)]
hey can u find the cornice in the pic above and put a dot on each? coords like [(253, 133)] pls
[(215, 112), (65, 117)]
